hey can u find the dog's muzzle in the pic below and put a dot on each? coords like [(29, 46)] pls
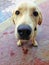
[(24, 31)]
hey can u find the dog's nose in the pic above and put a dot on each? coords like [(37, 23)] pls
[(24, 31)]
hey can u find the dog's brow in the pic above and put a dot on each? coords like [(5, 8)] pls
[(22, 8), (33, 8), (27, 6)]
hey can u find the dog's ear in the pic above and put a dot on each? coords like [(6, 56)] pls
[(40, 18), (13, 21), (13, 18)]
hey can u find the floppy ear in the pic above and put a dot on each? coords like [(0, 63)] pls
[(13, 21), (40, 18), (13, 18)]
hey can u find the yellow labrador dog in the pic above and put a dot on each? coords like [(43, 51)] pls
[(26, 17)]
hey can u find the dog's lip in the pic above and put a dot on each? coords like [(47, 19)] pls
[(23, 38)]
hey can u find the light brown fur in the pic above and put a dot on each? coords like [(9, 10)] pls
[(26, 17)]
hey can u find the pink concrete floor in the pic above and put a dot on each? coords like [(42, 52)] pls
[(11, 54)]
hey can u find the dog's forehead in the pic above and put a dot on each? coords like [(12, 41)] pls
[(26, 4)]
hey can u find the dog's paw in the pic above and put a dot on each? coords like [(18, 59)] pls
[(19, 43), (35, 44)]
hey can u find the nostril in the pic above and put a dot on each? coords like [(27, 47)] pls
[(20, 32), (28, 32), (24, 32)]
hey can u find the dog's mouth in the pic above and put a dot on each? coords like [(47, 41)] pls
[(24, 38)]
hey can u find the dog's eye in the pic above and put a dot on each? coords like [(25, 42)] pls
[(17, 12), (35, 13)]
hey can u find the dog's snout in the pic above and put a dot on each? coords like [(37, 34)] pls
[(24, 31)]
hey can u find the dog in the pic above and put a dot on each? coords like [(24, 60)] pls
[(26, 17)]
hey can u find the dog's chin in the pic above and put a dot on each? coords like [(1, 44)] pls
[(24, 40)]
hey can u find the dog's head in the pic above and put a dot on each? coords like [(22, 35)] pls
[(26, 17)]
